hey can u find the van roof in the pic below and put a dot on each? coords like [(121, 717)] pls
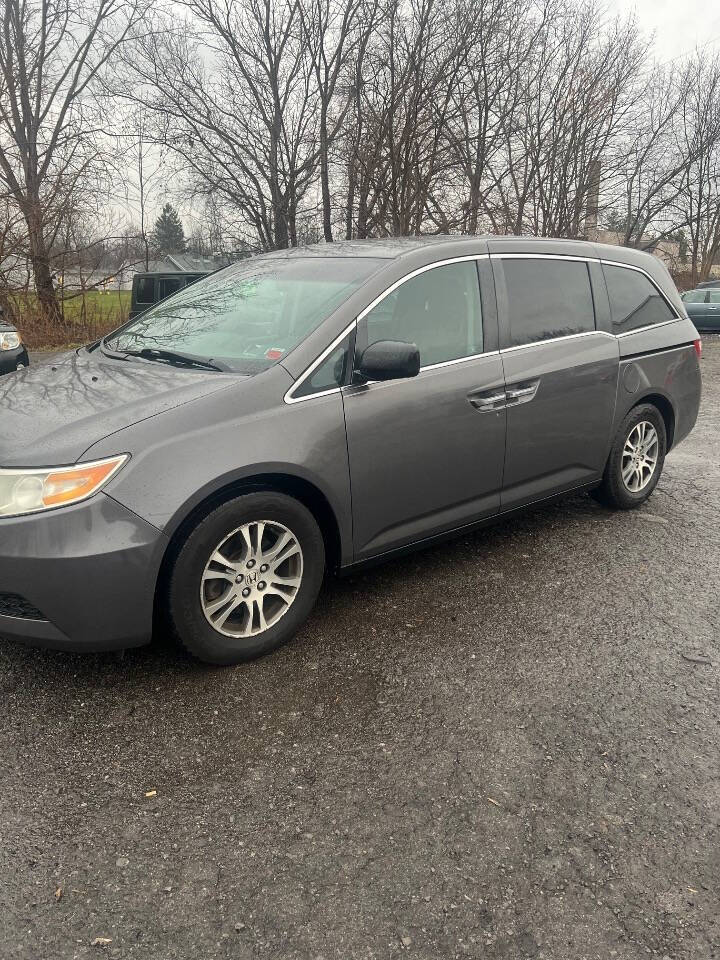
[(390, 248)]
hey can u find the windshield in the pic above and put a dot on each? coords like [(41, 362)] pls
[(248, 316)]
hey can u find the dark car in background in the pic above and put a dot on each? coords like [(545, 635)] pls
[(320, 409), (13, 354), (703, 307), (150, 288)]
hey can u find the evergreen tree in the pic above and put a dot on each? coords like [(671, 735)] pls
[(168, 235)]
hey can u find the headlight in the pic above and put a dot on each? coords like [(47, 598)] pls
[(29, 491), (10, 340)]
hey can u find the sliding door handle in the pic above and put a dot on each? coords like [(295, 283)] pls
[(487, 402), (522, 394)]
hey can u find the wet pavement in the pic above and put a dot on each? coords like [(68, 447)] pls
[(504, 747)]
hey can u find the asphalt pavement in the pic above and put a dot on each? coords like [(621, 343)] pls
[(504, 747)]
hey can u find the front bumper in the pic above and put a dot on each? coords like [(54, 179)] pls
[(89, 570), (9, 360)]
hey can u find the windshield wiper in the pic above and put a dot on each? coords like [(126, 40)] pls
[(176, 359)]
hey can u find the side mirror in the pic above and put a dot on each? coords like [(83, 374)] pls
[(389, 360)]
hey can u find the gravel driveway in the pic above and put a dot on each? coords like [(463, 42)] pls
[(504, 747)]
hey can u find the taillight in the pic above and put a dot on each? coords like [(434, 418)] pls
[(698, 347)]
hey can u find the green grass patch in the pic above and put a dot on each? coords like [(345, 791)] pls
[(105, 308)]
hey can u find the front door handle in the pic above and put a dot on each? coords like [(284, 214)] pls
[(522, 393), (488, 401)]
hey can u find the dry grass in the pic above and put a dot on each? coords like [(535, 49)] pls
[(85, 318)]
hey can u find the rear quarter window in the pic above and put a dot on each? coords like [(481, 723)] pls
[(635, 301)]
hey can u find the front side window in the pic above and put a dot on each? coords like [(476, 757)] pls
[(248, 316), (437, 310), (635, 302), (695, 296), (546, 299)]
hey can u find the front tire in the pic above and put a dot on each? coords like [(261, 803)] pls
[(636, 459), (246, 578)]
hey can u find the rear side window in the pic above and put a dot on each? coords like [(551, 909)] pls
[(145, 290), (635, 302), (713, 296), (546, 299)]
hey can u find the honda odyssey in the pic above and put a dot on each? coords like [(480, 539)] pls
[(324, 408)]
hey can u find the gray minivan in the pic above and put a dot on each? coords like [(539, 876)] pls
[(324, 408)]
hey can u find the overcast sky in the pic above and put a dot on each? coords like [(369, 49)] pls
[(679, 25)]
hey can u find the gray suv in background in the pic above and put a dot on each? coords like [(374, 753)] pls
[(324, 408)]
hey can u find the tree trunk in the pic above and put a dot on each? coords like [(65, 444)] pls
[(350, 202), (325, 175), (42, 274)]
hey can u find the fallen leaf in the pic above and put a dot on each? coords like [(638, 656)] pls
[(490, 799), (100, 942), (58, 893), (151, 793)]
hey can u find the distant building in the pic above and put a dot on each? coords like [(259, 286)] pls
[(666, 250), (188, 263)]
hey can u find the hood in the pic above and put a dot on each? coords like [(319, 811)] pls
[(50, 414)]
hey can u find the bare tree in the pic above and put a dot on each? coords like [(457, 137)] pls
[(234, 99), (328, 31), (51, 53), (699, 144), (299, 119)]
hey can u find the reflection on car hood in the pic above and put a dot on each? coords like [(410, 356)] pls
[(50, 414)]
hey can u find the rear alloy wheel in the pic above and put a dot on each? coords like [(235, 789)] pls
[(636, 459), (246, 578), (640, 456)]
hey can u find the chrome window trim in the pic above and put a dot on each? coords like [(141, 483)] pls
[(289, 398), (569, 336), (452, 363), (544, 256), (650, 326)]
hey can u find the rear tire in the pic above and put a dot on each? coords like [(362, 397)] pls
[(246, 578), (636, 459)]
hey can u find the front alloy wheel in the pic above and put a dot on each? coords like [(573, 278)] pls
[(251, 579), (246, 577)]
